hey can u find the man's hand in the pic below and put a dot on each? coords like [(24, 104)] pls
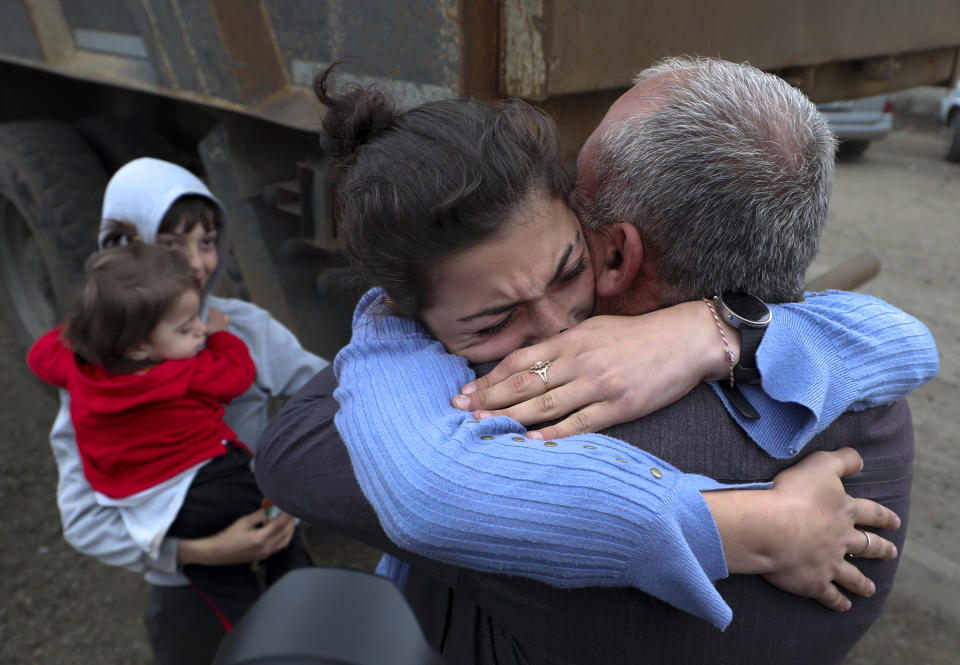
[(244, 541), (797, 535), (608, 370), (217, 321)]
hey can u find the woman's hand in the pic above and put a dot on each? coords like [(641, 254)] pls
[(797, 535), (217, 321), (608, 369), (244, 541)]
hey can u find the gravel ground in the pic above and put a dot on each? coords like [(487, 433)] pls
[(902, 201)]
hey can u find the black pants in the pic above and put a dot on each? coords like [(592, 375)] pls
[(186, 624)]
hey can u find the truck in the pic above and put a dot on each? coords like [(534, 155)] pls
[(223, 87)]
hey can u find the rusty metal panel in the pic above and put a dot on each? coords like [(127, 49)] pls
[(846, 80), (16, 33), (186, 49), (258, 57), (248, 43), (98, 15), (200, 56), (166, 44), (412, 47), (551, 48)]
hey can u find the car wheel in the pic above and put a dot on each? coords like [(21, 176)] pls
[(51, 186), (852, 149), (953, 145)]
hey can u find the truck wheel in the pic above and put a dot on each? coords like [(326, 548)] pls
[(116, 142), (51, 186), (953, 142), (852, 149)]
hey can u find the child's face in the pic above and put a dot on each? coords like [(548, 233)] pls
[(198, 245), (180, 333)]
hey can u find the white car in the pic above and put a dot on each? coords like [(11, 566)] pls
[(950, 116), (856, 122)]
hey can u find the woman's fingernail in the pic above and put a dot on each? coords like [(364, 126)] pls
[(461, 402), (534, 435), (482, 414), (469, 389)]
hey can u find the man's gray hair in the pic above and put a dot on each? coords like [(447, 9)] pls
[(728, 181)]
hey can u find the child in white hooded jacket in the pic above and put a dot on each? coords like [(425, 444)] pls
[(171, 207)]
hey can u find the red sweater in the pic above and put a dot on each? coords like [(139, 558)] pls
[(136, 430)]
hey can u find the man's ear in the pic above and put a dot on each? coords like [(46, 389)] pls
[(621, 259)]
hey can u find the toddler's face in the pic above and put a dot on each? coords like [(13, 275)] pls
[(180, 333)]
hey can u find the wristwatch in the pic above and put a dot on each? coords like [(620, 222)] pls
[(750, 316)]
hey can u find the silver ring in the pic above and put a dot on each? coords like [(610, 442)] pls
[(867, 546), (540, 369)]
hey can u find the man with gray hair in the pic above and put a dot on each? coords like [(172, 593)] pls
[(675, 190), (726, 172), (707, 177)]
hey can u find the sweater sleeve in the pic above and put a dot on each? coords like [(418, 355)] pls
[(224, 368), (833, 352), (584, 511), (47, 358)]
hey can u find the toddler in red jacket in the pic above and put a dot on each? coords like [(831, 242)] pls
[(147, 381)]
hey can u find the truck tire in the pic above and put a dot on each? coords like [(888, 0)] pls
[(51, 186), (852, 149), (116, 142), (953, 142)]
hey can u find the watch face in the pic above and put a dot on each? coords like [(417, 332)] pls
[(747, 307)]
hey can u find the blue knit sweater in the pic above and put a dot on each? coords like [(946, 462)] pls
[(590, 510)]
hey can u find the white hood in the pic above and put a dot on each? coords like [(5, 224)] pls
[(142, 191)]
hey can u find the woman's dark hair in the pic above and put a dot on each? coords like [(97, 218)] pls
[(417, 186), (127, 291)]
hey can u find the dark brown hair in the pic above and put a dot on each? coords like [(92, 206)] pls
[(191, 209), (127, 291), (414, 187)]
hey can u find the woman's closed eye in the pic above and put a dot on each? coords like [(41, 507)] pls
[(575, 271), (498, 326)]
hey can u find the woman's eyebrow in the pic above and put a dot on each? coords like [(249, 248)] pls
[(563, 259), (500, 309), (490, 311)]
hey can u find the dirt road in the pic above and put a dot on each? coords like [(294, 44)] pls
[(902, 201)]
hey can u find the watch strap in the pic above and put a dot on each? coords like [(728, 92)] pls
[(746, 371), (739, 401)]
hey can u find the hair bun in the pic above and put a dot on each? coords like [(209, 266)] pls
[(353, 118)]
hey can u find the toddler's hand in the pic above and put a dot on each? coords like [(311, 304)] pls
[(217, 321)]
